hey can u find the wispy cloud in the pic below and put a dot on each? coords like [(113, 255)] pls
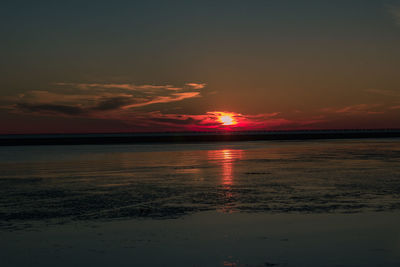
[(123, 102), (395, 12), (395, 107), (196, 85), (113, 103), (132, 87), (99, 85), (87, 99), (165, 99), (50, 109), (210, 121), (356, 109), (383, 92)]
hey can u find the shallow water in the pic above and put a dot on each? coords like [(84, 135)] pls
[(248, 204), (69, 183), (212, 239)]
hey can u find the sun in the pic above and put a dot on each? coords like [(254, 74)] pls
[(226, 119)]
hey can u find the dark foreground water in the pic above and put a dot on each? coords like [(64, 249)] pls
[(310, 203)]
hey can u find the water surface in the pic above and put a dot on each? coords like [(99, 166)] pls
[(67, 183), (247, 204)]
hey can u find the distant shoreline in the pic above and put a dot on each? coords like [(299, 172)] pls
[(190, 137)]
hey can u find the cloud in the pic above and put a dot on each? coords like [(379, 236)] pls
[(77, 99), (356, 109), (395, 12), (353, 109), (112, 103), (210, 122), (40, 96), (196, 85), (390, 93), (131, 87), (50, 109), (395, 107), (123, 102), (87, 86), (165, 99), (186, 121)]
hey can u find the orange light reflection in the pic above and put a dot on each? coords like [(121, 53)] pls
[(226, 158)]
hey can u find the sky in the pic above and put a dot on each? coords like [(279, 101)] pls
[(158, 66)]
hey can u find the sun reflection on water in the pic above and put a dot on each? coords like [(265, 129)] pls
[(226, 158)]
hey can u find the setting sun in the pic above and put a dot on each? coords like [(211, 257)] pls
[(227, 119)]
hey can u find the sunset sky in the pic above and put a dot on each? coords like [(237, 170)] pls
[(143, 66)]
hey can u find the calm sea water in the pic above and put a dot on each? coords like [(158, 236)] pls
[(247, 204), (68, 183)]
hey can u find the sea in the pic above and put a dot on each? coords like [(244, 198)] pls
[(254, 203)]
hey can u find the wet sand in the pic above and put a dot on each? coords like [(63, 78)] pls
[(211, 239), (309, 203)]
